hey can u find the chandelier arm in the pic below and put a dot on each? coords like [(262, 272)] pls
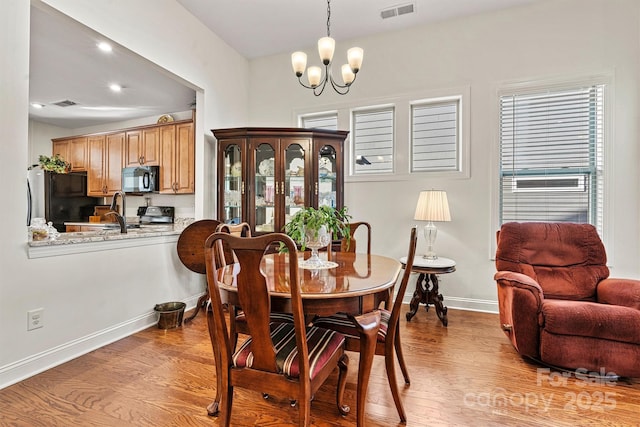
[(336, 86)]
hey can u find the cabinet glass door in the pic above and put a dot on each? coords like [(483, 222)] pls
[(327, 178), (265, 188), (233, 185), (294, 180)]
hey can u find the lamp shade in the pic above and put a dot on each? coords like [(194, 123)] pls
[(432, 206)]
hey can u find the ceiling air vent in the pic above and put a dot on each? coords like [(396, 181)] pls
[(398, 10), (65, 103)]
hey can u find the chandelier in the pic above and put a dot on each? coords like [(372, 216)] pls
[(326, 47)]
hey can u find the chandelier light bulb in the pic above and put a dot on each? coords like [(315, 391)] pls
[(347, 75), (299, 62), (354, 56), (314, 74), (326, 47)]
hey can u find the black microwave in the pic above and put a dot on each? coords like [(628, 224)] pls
[(140, 179)]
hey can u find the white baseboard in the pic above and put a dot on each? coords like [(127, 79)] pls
[(40, 362), (470, 304)]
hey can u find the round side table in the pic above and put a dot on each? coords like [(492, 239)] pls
[(427, 285)]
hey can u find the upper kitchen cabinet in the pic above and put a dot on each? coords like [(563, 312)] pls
[(106, 154), (142, 147), (177, 159), (72, 150), (266, 175)]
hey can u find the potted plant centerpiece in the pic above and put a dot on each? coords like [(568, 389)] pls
[(316, 228)]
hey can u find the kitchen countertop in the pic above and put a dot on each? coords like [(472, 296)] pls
[(77, 242)]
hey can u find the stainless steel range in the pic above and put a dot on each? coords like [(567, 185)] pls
[(156, 214)]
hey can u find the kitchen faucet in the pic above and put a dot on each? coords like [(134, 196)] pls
[(122, 220)]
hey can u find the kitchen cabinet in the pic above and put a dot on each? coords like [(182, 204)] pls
[(72, 150), (266, 175), (143, 147), (106, 154), (177, 159)]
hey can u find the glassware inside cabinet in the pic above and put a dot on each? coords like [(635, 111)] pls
[(294, 184), (327, 182), (233, 185), (265, 188)]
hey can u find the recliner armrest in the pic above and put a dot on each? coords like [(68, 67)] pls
[(518, 279), (623, 292), (520, 303)]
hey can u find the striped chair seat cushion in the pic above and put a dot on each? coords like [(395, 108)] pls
[(274, 317), (322, 345), (341, 323)]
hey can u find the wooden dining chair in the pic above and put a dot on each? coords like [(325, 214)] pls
[(288, 359), (350, 245), (388, 341), (237, 319)]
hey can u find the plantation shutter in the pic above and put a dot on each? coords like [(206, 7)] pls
[(373, 140), (551, 156), (434, 137)]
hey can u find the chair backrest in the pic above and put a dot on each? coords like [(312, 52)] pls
[(350, 245), (566, 259), (242, 229), (397, 303), (254, 297)]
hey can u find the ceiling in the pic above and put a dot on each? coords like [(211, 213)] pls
[(66, 64), (264, 27)]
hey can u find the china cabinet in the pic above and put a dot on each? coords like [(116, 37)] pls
[(265, 175)]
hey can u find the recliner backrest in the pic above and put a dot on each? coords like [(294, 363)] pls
[(568, 260)]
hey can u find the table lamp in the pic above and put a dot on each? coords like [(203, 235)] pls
[(432, 206)]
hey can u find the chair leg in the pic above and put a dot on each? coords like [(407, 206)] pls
[(214, 407), (400, 355), (305, 413), (393, 382), (227, 402), (342, 383)]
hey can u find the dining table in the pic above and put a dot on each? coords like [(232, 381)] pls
[(356, 284)]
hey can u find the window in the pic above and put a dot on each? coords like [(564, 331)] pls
[(372, 137), (327, 121), (435, 136), (551, 156)]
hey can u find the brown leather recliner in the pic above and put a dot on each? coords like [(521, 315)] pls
[(557, 304)]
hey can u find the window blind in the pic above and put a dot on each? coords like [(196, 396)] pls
[(434, 137), (328, 121), (373, 140), (551, 156)]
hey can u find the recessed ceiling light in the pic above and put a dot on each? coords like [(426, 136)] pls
[(105, 47), (37, 105), (115, 87)]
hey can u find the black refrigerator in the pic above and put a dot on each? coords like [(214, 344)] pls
[(58, 198)]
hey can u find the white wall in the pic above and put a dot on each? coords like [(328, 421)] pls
[(554, 39), (92, 298)]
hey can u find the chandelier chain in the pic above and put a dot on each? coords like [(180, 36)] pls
[(328, 18)]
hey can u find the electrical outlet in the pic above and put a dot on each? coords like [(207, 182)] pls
[(35, 319)]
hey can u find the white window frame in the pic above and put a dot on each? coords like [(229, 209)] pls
[(553, 84)]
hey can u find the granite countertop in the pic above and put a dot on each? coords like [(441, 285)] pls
[(111, 234)]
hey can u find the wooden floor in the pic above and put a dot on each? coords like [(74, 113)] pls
[(464, 375)]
